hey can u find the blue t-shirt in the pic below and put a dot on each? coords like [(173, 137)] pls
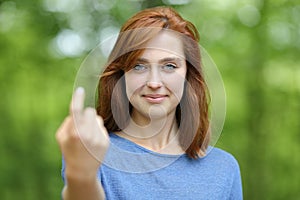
[(131, 172)]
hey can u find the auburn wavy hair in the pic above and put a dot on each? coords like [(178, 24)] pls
[(192, 113)]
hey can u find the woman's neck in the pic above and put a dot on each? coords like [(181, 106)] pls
[(156, 134)]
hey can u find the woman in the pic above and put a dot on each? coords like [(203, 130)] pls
[(151, 141)]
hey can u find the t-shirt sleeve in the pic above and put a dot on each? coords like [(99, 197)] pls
[(63, 167), (63, 176), (236, 190)]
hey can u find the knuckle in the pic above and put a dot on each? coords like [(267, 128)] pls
[(100, 120), (68, 119), (90, 110), (68, 132), (57, 137)]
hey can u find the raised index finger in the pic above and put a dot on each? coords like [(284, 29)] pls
[(77, 103)]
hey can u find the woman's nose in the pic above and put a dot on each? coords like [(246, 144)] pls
[(154, 80), (154, 85)]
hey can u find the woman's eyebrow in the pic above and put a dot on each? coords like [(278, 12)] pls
[(163, 60), (170, 59), (143, 60)]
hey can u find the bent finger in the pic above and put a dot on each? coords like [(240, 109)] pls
[(64, 129)]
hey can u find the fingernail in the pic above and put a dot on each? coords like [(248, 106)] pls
[(80, 90)]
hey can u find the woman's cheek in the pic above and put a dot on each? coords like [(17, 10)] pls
[(176, 85), (133, 83)]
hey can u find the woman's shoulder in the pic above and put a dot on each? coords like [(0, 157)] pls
[(218, 152), (220, 157)]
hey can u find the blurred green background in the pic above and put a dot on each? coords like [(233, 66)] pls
[(255, 44)]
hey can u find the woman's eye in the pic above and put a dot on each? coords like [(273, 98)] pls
[(139, 67), (169, 67)]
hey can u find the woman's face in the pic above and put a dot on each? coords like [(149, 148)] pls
[(155, 84)]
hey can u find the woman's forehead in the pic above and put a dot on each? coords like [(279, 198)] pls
[(165, 44)]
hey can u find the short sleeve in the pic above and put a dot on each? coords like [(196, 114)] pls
[(236, 190), (63, 167)]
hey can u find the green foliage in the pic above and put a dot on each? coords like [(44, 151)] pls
[(254, 43)]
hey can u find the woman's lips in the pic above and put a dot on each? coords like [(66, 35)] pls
[(154, 98)]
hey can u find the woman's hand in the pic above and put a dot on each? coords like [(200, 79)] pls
[(83, 140)]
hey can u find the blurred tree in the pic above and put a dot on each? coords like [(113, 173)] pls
[(255, 43)]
